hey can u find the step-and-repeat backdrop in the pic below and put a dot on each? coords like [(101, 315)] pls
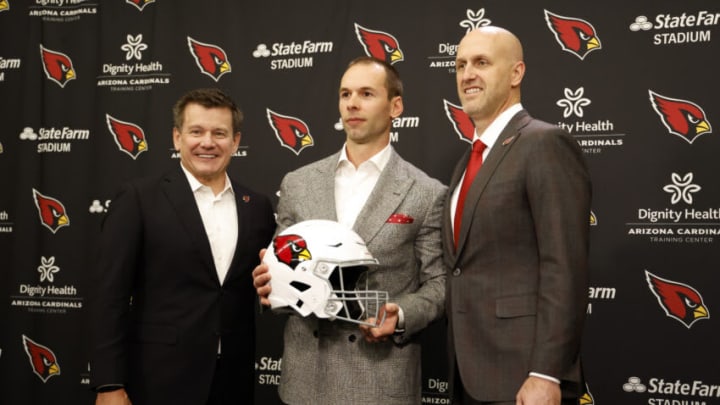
[(635, 82)]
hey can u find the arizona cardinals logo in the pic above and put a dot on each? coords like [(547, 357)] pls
[(292, 132), (140, 4), (4, 5), (52, 213), (129, 137), (58, 66), (379, 45), (573, 34), (211, 59), (43, 360), (462, 123), (680, 301), (681, 117), (291, 250)]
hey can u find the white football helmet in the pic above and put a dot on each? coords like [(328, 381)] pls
[(318, 267)]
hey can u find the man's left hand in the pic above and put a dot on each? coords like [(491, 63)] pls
[(381, 333), (538, 391)]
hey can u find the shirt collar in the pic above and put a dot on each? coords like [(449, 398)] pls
[(379, 160), (195, 184), (492, 132)]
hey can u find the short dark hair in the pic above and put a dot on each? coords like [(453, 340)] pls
[(208, 98), (393, 84)]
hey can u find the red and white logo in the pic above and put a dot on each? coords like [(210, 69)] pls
[(292, 132), (681, 117), (573, 34), (51, 211), (211, 59), (58, 66), (379, 45), (129, 137), (140, 4), (43, 361), (463, 125), (678, 300)]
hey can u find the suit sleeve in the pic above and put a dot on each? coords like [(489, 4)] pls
[(118, 253), (427, 303), (559, 194)]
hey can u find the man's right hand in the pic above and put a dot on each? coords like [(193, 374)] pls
[(116, 397), (261, 280)]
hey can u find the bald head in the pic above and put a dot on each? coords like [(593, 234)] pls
[(507, 43), (489, 68)]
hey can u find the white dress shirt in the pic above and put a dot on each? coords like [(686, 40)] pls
[(219, 217), (354, 185)]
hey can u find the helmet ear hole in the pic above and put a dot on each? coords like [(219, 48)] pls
[(299, 285)]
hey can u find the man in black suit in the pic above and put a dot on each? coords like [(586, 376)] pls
[(174, 306)]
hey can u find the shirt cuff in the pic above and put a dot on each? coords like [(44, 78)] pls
[(545, 377), (400, 327)]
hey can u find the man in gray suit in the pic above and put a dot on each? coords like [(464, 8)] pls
[(397, 210), (517, 291)]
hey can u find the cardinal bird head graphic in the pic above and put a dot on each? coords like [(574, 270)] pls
[(211, 59), (52, 213), (43, 360), (292, 132), (379, 45), (681, 117), (140, 4), (58, 66), (291, 250), (129, 137), (680, 301), (462, 123), (573, 34)]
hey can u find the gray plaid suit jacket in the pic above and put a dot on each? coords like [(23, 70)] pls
[(329, 362)]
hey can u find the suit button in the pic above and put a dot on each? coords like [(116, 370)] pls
[(352, 338), (315, 333), (456, 272)]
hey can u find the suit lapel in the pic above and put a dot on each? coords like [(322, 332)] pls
[(388, 193), (498, 152), (180, 197), (322, 186)]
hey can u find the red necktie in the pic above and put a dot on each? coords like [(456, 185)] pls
[(472, 168)]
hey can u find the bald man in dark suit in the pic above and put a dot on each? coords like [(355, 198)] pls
[(517, 245)]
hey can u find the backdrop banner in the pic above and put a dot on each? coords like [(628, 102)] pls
[(83, 81)]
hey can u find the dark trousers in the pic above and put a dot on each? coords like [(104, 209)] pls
[(225, 391)]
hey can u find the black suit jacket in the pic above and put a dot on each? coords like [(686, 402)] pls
[(517, 291), (158, 307)]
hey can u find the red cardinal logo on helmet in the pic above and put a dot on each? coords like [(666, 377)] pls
[(211, 59), (680, 301), (681, 117), (462, 123), (379, 45), (140, 4), (58, 66), (291, 250), (42, 359), (129, 137), (573, 34), (52, 213), (292, 132)]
